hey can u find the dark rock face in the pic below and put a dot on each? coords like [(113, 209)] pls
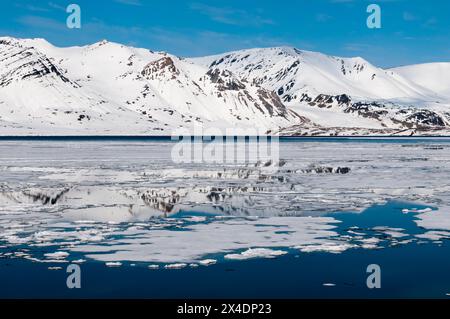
[(225, 80), (161, 66), (24, 63), (283, 91), (305, 98), (291, 69), (367, 110), (270, 101), (407, 116), (326, 101), (218, 62), (426, 117), (343, 99), (82, 117)]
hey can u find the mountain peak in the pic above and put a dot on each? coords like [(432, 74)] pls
[(102, 43), (107, 84), (35, 42)]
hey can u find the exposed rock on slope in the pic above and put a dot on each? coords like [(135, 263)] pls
[(111, 89)]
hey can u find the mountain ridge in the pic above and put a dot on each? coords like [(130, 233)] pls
[(108, 88)]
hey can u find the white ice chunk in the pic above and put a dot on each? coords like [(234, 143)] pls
[(57, 255), (113, 264), (207, 262), (175, 266), (256, 253)]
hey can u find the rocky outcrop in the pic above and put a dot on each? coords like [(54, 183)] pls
[(19, 63), (163, 66)]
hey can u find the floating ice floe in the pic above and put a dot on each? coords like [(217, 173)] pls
[(435, 219), (153, 266), (390, 231), (415, 210), (57, 255), (207, 262), (330, 247), (126, 209), (256, 253), (196, 219), (198, 240), (434, 235), (369, 243), (54, 268), (175, 266), (113, 264)]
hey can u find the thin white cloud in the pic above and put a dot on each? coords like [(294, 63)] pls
[(56, 6), (323, 17), (408, 16), (357, 47), (31, 7), (231, 16), (130, 2), (37, 22)]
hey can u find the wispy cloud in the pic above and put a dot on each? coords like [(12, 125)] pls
[(41, 7), (130, 2), (56, 6), (431, 22), (408, 16), (323, 17), (31, 7), (183, 42), (37, 22), (231, 16), (357, 47)]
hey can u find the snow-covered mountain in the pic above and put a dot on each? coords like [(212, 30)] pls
[(111, 89), (347, 93), (290, 71), (108, 88), (432, 76)]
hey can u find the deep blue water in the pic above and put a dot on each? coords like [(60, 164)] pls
[(407, 271)]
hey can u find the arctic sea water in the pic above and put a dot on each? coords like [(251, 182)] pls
[(393, 213)]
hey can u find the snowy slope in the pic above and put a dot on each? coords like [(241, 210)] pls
[(432, 76), (289, 70), (342, 92), (108, 88), (38, 95)]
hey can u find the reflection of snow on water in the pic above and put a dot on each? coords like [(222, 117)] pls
[(115, 202)]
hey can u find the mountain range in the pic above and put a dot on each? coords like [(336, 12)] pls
[(111, 89)]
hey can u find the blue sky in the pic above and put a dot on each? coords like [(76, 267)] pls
[(413, 31)]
